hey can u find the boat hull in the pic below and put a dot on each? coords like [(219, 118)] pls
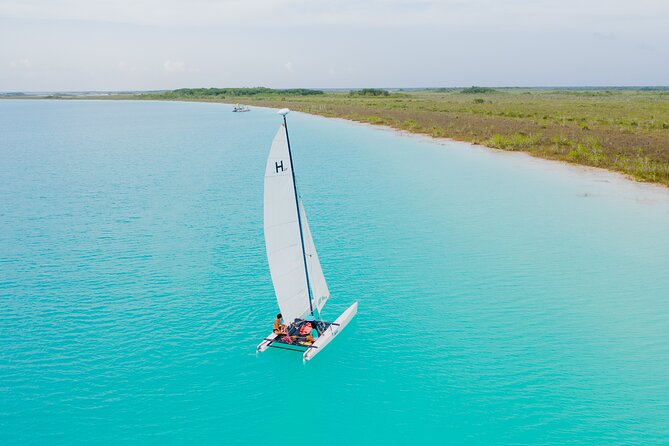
[(264, 345), (324, 339), (331, 332)]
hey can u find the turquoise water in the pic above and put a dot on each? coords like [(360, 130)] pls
[(503, 300)]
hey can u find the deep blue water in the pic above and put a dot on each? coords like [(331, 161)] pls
[(503, 300)]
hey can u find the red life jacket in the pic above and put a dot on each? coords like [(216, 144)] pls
[(305, 329)]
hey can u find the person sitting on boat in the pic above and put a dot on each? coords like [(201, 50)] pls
[(279, 327), (305, 333)]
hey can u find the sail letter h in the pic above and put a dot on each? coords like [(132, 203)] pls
[(278, 166)]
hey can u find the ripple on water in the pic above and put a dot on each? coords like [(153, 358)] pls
[(497, 305)]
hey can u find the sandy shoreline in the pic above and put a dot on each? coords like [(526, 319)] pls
[(653, 192), (598, 174)]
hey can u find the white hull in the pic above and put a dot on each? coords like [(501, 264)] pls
[(324, 339), (332, 331), (264, 345)]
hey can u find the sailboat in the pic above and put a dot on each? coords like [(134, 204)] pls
[(300, 287)]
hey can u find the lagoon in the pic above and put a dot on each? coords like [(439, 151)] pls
[(503, 299)]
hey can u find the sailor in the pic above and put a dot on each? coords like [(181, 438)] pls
[(279, 328), (305, 333)]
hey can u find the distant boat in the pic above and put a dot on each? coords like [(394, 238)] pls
[(240, 108), (299, 284)]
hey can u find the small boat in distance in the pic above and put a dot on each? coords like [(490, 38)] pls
[(240, 108), (299, 284)]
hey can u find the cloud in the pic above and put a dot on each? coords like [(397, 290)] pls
[(310, 13), (160, 44), (125, 67), (174, 66), (20, 64), (604, 35)]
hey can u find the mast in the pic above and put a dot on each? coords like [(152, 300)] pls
[(297, 207)]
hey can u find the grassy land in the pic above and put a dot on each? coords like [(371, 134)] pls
[(620, 129)]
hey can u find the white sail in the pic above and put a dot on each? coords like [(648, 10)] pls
[(282, 233), (319, 288)]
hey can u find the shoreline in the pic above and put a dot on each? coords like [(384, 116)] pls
[(422, 132), (602, 172), (613, 175)]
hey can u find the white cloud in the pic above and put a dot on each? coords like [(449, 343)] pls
[(18, 64), (310, 13), (152, 44), (125, 67), (174, 66)]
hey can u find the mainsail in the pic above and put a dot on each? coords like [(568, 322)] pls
[(282, 233)]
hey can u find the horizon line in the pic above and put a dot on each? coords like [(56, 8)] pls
[(542, 87)]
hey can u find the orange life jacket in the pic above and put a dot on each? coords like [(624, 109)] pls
[(305, 329)]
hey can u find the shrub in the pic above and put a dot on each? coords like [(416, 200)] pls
[(478, 90), (221, 93), (515, 141), (643, 168), (370, 92), (590, 153)]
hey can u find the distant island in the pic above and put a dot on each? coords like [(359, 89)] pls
[(625, 129)]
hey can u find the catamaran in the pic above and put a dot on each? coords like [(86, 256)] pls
[(298, 280)]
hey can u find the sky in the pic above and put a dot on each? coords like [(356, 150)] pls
[(79, 45)]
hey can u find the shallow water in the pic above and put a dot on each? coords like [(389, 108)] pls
[(502, 299)]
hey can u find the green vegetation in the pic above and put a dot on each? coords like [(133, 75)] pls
[(478, 90), (370, 92), (516, 141), (222, 93)]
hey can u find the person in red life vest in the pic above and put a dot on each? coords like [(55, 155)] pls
[(305, 332), (279, 328)]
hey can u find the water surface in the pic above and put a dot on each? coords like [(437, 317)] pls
[(502, 299)]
